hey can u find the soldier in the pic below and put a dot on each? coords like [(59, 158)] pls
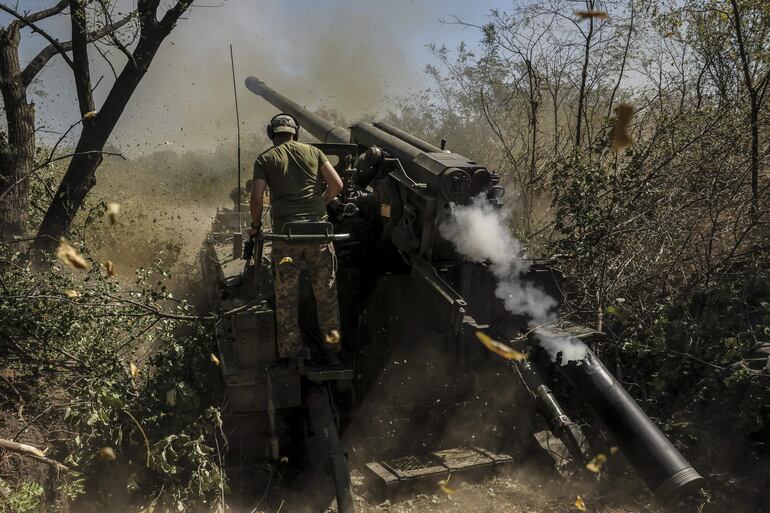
[(295, 173)]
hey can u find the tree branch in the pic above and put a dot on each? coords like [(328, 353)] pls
[(29, 451), (81, 68), (47, 13), (40, 60), (25, 21)]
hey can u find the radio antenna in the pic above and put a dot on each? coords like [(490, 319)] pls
[(238, 123)]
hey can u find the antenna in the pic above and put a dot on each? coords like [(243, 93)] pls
[(238, 123)]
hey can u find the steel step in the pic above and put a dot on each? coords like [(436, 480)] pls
[(404, 476)]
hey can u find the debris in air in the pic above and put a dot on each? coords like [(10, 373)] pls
[(595, 465), (444, 485), (499, 348), (332, 337), (112, 211), (134, 370), (587, 14), (70, 256), (214, 359), (620, 137), (107, 454)]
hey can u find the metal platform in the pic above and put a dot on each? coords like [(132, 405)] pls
[(404, 476)]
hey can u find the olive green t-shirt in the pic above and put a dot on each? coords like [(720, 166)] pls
[(291, 172)]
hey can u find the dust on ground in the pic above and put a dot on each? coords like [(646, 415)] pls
[(522, 491)]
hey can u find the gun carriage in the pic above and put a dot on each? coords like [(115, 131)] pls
[(412, 376)]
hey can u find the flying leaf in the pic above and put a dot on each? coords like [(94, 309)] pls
[(596, 14), (595, 465), (70, 256), (332, 337), (214, 359), (107, 454), (579, 504), (499, 348), (286, 260), (134, 370), (620, 136), (112, 211), (72, 294), (110, 268), (171, 397), (444, 485)]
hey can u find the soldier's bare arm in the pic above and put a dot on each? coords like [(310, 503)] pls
[(333, 181), (255, 202)]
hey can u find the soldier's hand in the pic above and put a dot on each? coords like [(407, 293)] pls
[(254, 230)]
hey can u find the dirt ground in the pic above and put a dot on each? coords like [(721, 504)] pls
[(519, 492)]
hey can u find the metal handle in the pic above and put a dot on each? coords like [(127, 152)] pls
[(326, 237)]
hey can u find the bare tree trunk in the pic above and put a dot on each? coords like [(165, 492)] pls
[(80, 177), (584, 78), (754, 111), (534, 105), (623, 61), (17, 152)]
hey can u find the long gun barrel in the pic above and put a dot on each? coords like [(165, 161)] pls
[(659, 463), (414, 184), (406, 136), (316, 125)]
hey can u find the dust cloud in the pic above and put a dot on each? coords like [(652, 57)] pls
[(480, 232)]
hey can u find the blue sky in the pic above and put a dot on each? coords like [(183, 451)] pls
[(342, 54)]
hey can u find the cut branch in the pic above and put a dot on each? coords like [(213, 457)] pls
[(31, 452)]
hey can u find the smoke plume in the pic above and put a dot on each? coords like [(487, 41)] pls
[(480, 233)]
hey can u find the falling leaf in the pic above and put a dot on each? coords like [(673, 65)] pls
[(444, 485), (579, 504), (286, 260), (72, 294), (499, 348), (599, 15), (620, 136), (112, 211), (89, 115), (332, 337), (110, 268), (214, 359), (107, 454), (171, 397), (614, 451), (71, 256), (134, 370), (595, 465)]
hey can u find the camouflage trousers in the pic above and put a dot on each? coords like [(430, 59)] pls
[(320, 262)]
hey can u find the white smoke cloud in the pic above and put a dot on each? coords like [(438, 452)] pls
[(480, 233)]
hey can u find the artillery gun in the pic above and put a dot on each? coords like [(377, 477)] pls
[(412, 376)]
